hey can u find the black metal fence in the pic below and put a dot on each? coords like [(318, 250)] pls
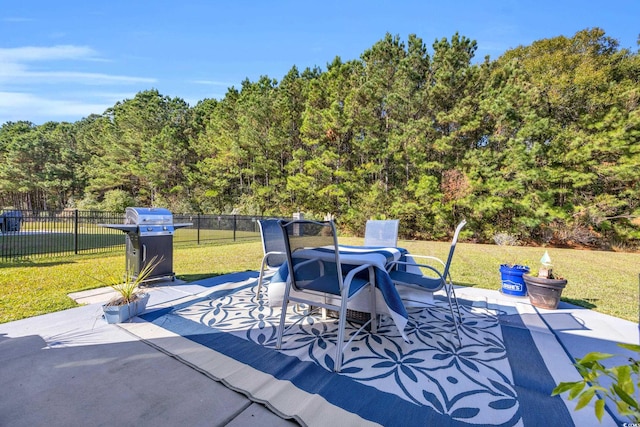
[(69, 232)]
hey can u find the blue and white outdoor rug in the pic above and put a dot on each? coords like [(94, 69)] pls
[(497, 378)]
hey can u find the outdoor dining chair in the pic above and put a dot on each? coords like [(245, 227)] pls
[(405, 273), (381, 232), (273, 247), (316, 277)]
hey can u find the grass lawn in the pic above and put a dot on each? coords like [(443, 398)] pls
[(62, 240), (603, 281)]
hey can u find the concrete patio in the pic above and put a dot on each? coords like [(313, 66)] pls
[(72, 368)]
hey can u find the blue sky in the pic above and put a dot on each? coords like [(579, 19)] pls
[(63, 60)]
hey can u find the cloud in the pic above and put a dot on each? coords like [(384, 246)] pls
[(16, 19), (44, 83), (15, 66), (37, 53), (15, 106), (212, 83), (18, 75)]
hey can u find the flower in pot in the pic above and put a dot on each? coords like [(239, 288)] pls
[(545, 289), (130, 299)]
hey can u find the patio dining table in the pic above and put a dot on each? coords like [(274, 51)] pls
[(388, 300)]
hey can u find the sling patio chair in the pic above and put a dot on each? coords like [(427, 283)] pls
[(316, 277), (273, 247), (429, 279), (379, 232)]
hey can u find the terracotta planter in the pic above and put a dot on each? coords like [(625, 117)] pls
[(543, 292)]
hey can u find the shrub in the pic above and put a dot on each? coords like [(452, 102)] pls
[(505, 239)]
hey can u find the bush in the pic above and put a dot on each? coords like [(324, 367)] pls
[(505, 239), (117, 201)]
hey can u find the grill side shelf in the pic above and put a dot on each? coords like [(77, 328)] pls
[(125, 228)]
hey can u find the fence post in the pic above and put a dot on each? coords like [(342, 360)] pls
[(234, 228), (3, 254), (75, 232), (198, 225)]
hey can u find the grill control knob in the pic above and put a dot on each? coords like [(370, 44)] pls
[(149, 228)]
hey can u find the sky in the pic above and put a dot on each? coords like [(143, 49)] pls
[(64, 60)]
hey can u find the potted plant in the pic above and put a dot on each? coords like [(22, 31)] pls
[(130, 299), (546, 288)]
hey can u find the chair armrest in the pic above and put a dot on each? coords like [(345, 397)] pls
[(275, 253), (346, 281), (427, 257), (393, 264), (268, 254), (350, 275)]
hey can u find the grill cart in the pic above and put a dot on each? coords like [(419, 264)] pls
[(149, 233)]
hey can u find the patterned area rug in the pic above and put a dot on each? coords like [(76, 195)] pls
[(496, 378)]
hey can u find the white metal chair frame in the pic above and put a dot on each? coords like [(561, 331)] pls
[(266, 226), (432, 284), (324, 299)]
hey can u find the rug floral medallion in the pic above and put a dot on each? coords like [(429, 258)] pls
[(472, 384)]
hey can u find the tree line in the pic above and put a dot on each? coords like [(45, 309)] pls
[(539, 145)]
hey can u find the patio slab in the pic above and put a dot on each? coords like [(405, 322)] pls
[(71, 368)]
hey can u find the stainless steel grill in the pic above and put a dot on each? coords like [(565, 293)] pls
[(149, 238), (150, 221)]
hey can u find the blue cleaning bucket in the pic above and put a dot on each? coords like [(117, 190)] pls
[(512, 281)]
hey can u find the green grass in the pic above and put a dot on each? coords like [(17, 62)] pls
[(62, 240), (603, 281), (56, 242)]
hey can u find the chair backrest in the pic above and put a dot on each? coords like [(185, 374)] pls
[(272, 241), (453, 247), (304, 239), (381, 233)]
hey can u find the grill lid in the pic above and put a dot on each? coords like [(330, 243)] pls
[(148, 222), (148, 216)]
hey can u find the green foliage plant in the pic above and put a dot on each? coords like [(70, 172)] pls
[(128, 288), (117, 201), (623, 391)]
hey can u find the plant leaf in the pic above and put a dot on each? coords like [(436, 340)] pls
[(599, 409), (576, 389), (632, 347), (564, 386), (625, 396), (585, 398), (623, 374), (593, 356)]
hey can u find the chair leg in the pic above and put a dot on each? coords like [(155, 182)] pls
[(455, 299), (264, 259), (374, 311), (340, 341), (455, 319), (283, 316)]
